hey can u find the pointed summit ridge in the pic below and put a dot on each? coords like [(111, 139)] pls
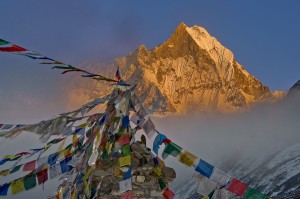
[(191, 70)]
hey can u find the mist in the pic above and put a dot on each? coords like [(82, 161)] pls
[(227, 140)]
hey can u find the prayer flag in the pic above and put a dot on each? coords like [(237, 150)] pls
[(54, 171), (204, 168), (125, 161), (221, 178), (4, 189), (127, 174), (205, 185), (124, 139), (42, 161), (42, 176), (168, 194), (161, 183), (4, 172), (30, 181), (254, 194), (16, 168), (157, 171), (52, 158), (29, 166), (237, 187), (13, 48), (149, 128), (117, 75), (87, 174), (2, 42), (117, 172), (17, 186), (125, 185), (187, 158), (158, 141), (125, 122), (171, 149), (64, 165), (126, 195), (126, 149), (210, 195)]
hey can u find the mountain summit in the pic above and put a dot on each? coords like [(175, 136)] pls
[(192, 70)]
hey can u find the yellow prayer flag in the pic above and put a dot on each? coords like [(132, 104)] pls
[(160, 163), (88, 173), (62, 145), (124, 161), (4, 172), (187, 158), (117, 172), (9, 156), (157, 171), (74, 138), (63, 153), (17, 186), (73, 194), (83, 125)]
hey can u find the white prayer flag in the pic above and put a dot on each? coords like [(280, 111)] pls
[(54, 171), (125, 185), (220, 177)]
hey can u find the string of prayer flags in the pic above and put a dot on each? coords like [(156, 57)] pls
[(187, 158), (158, 141), (125, 161), (205, 168), (125, 185), (237, 187), (6, 46), (171, 149), (254, 194), (168, 194)]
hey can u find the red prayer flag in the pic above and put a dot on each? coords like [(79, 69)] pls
[(125, 139), (29, 166), (168, 194), (126, 195), (42, 176), (237, 187), (167, 141), (13, 48), (22, 153)]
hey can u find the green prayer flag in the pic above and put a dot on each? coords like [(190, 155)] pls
[(63, 67), (210, 195), (161, 183), (254, 194), (16, 168), (104, 154), (2, 42), (171, 149), (30, 182), (126, 149)]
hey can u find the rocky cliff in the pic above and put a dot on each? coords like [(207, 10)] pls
[(190, 71)]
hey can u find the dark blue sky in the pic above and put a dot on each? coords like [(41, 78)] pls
[(263, 35)]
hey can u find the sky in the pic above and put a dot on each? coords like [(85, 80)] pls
[(263, 35)]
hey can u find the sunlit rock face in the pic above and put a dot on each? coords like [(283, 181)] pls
[(191, 71)]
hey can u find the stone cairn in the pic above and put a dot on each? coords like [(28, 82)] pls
[(123, 158)]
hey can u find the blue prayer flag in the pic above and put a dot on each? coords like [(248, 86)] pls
[(52, 158), (127, 175), (64, 165), (3, 189), (157, 142), (204, 168)]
